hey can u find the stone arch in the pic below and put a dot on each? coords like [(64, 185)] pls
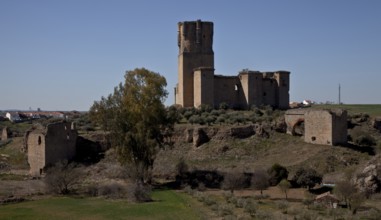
[(298, 128)]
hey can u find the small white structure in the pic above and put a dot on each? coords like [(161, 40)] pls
[(307, 102), (13, 116)]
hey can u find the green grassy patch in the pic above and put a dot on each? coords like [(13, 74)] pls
[(167, 205), (12, 154), (372, 110)]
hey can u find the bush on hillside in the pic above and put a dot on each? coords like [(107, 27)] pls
[(277, 172)]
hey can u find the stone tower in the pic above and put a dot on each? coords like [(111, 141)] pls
[(195, 41)]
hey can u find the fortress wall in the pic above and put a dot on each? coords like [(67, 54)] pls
[(318, 127), (36, 153), (340, 132), (228, 90), (203, 83), (283, 80), (270, 91), (60, 142)]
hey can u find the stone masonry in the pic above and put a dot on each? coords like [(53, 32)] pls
[(327, 127), (49, 145), (199, 85)]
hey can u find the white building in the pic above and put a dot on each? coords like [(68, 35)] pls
[(13, 116)]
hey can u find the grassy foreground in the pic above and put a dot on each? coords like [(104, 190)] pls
[(167, 205)]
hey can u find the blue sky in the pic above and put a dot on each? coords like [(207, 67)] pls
[(64, 55)]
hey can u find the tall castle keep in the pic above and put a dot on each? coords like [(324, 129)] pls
[(198, 85)]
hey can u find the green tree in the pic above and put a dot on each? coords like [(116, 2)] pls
[(284, 186), (136, 117), (307, 177), (277, 172)]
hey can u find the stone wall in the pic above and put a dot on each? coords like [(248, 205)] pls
[(195, 41), (47, 146), (5, 134), (327, 127), (228, 89)]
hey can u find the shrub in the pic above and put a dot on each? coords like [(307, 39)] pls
[(250, 207), (188, 114), (92, 190), (283, 205), (241, 202), (142, 193), (262, 196), (63, 177), (261, 214), (209, 201), (224, 106), (205, 108), (189, 190), (201, 187), (365, 140), (277, 172), (112, 190), (225, 209), (234, 180)]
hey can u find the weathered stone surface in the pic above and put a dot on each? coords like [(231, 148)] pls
[(188, 135), (328, 127), (198, 85), (376, 124), (280, 125), (5, 134), (242, 131), (199, 137), (49, 145), (369, 179)]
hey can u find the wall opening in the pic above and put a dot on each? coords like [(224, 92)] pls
[(236, 87), (298, 129), (313, 138), (39, 140)]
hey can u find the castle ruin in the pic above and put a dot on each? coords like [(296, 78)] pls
[(326, 127), (47, 146), (198, 85)]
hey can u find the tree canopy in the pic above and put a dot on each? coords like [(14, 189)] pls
[(277, 172), (307, 177), (135, 116)]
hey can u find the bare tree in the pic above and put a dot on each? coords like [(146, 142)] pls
[(234, 180), (63, 177), (260, 180)]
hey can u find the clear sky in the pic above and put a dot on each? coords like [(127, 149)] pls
[(64, 55)]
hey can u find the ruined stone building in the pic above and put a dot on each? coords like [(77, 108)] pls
[(199, 85), (327, 127), (46, 146)]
